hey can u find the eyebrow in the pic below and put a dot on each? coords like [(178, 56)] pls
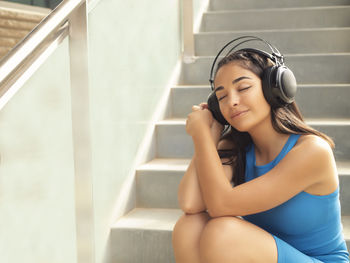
[(233, 82)]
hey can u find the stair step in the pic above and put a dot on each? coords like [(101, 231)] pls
[(307, 68), (183, 97), (346, 229), (8, 42), (18, 34), (173, 141), (344, 181), (250, 4), (277, 18), (16, 25), (144, 235), (321, 40), (21, 15), (4, 50), (157, 183)]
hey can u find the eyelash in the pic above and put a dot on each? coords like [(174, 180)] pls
[(238, 91)]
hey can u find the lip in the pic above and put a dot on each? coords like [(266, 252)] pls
[(238, 114)]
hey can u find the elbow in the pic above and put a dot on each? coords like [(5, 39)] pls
[(219, 209), (215, 211), (191, 208)]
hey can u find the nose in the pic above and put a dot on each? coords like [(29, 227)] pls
[(234, 101)]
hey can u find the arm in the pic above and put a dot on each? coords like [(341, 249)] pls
[(305, 165), (189, 192)]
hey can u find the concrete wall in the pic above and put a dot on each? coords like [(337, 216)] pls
[(36, 168), (134, 47)]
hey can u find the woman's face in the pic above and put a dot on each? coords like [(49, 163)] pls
[(240, 96)]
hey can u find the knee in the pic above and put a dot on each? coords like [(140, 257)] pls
[(219, 236), (189, 227)]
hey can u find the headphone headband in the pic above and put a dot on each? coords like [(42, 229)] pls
[(275, 56)]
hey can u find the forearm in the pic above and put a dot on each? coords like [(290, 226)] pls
[(189, 193), (210, 172)]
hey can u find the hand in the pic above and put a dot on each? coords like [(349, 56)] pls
[(201, 118)]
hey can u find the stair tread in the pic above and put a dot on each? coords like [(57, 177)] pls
[(181, 164), (174, 164), (323, 85), (164, 220), (323, 29), (149, 219), (286, 55), (278, 9), (313, 121), (346, 226)]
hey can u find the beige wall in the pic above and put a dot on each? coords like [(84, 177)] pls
[(36, 170), (134, 47)]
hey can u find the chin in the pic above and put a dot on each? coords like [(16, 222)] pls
[(240, 127)]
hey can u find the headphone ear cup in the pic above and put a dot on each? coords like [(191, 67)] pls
[(287, 84), (213, 106), (267, 86), (279, 86)]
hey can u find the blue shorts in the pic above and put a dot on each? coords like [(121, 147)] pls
[(289, 254)]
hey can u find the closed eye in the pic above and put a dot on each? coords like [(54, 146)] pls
[(221, 98), (244, 89)]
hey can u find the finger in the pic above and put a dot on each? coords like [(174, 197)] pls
[(204, 105), (196, 108)]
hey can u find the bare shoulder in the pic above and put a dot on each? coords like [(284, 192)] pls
[(314, 145), (318, 155)]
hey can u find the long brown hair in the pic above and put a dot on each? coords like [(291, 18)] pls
[(287, 119)]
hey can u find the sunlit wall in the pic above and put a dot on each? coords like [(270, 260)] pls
[(133, 49)]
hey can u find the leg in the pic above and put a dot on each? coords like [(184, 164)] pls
[(186, 236), (231, 239)]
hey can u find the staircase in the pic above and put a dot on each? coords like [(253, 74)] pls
[(314, 35), (16, 21)]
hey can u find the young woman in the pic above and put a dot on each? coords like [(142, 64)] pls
[(284, 206)]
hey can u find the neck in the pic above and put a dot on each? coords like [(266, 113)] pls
[(268, 142)]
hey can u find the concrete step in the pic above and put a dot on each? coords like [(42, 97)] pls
[(276, 18), (4, 51), (8, 42), (144, 236), (344, 182), (23, 15), (173, 141), (16, 25), (158, 181), (332, 100), (308, 69), (320, 40), (263, 4), (17, 34)]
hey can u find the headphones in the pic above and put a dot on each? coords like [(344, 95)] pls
[(278, 82)]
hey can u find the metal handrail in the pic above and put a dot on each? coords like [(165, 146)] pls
[(68, 18), (14, 63)]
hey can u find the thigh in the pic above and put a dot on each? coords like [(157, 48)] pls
[(186, 235), (232, 239)]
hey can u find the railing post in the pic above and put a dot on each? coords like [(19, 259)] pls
[(188, 37), (78, 49)]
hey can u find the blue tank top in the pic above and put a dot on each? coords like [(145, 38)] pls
[(310, 223)]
